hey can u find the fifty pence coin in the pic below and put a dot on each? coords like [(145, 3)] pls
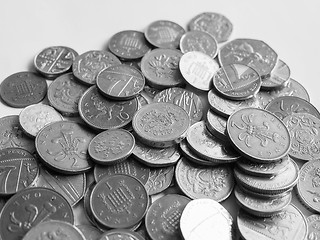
[(278, 78), (203, 218), (54, 61), (161, 68), (159, 179), (288, 224), (120, 82), (258, 135), (237, 81), (23, 89), (18, 170), (63, 146), (111, 146), (34, 117), (216, 24), (119, 201), (199, 41), (57, 229), (250, 52), (164, 34), (304, 130), (30, 207), (87, 65), (196, 181), (64, 94), (163, 217), (103, 114), (130, 167), (129, 45), (188, 100), (161, 124), (217, 125), (198, 69), (288, 105)]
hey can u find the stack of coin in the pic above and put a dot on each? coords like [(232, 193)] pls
[(148, 137)]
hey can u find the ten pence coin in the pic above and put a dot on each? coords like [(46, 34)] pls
[(161, 124), (204, 218), (304, 130), (54, 230), (163, 217), (258, 135), (198, 69), (63, 146), (288, 224)]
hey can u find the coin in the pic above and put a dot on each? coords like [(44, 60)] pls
[(186, 99), (258, 135), (63, 147), (288, 224), (216, 24), (30, 207), (120, 82), (161, 124), (18, 168), (164, 34), (197, 182), (217, 125), (119, 201), (276, 185), (155, 157), (261, 207), (250, 52), (103, 114), (199, 41), (120, 234), (304, 130), (55, 229), (35, 117), (64, 94), (225, 107), (278, 78), (263, 169), (23, 89), (54, 61), (130, 167), (159, 179), (289, 105), (203, 218), (198, 69), (87, 65), (71, 187), (161, 68), (90, 232), (129, 44), (211, 148), (313, 229), (237, 82), (11, 134), (163, 217), (309, 184), (111, 146)]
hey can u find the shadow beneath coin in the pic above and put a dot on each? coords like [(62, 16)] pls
[(31, 66)]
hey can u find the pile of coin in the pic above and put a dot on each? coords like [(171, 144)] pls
[(148, 137)]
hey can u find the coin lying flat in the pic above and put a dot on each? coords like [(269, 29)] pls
[(305, 136), (64, 94), (161, 124), (288, 105), (89, 232), (216, 24), (217, 125), (120, 234), (288, 224), (54, 61), (278, 78), (203, 218), (159, 179), (198, 69), (237, 82), (196, 182), (163, 217), (313, 226), (250, 52), (258, 135)]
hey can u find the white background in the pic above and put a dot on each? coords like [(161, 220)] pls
[(292, 28)]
